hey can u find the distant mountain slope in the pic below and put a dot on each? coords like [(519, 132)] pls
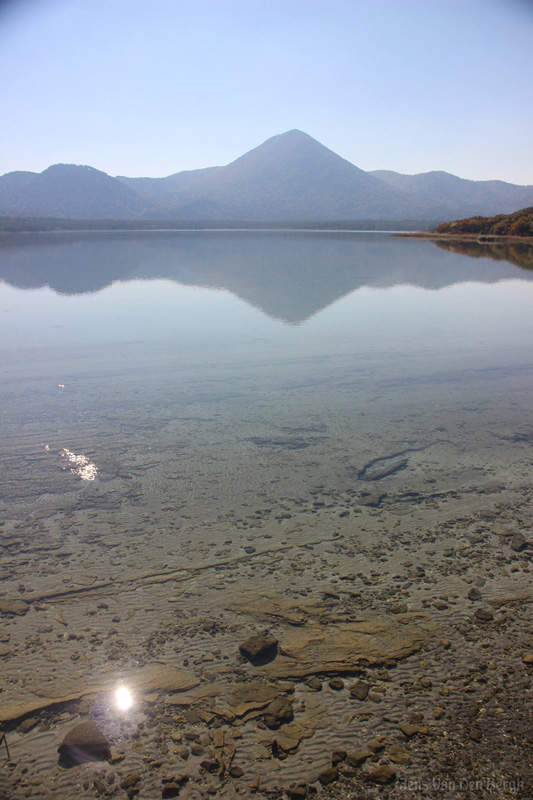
[(290, 177), (451, 195), (167, 189), (67, 190)]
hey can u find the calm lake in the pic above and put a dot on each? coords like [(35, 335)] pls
[(244, 362), (279, 430)]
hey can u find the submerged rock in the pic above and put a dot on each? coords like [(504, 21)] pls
[(260, 649), (14, 607), (328, 775), (382, 775), (383, 467), (278, 712), (518, 543), (359, 690), (84, 743), (297, 790)]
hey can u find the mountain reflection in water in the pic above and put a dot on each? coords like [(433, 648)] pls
[(290, 276)]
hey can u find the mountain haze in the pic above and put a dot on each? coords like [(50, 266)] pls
[(67, 190), (290, 177), (447, 193)]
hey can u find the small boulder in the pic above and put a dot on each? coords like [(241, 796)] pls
[(356, 757), (27, 724), (15, 608), (336, 683), (382, 775), (235, 771), (82, 744), (210, 764), (398, 754), (260, 649), (278, 712), (297, 790), (337, 756), (483, 615), (129, 783), (173, 784), (399, 608), (518, 543), (328, 775), (474, 595), (410, 730), (359, 690)]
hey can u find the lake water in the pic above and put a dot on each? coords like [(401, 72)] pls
[(183, 400), (181, 349)]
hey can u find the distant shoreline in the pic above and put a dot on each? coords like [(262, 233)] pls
[(60, 225), (481, 238)]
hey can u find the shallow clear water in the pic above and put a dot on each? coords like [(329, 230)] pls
[(249, 364)]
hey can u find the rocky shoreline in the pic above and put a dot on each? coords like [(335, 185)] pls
[(361, 655)]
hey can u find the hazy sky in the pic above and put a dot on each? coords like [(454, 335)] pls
[(151, 87)]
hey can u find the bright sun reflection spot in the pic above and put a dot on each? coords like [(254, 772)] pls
[(80, 465), (123, 698)]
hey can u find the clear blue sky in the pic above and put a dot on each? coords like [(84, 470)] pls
[(151, 87)]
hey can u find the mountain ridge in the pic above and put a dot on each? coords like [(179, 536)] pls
[(290, 176)]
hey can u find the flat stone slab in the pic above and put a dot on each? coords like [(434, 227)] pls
[(153, 678), (339, 647)]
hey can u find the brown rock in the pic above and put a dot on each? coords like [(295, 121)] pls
[(399, 608), (382, 775), (359, 690), (337, 756), (15, 608), (210, 764), (411, 730), (235, 771), (297, 790), (328, 775), (398, 754), (378, 639), (527, 658), (260, 649), (336, 684), (172, 785), (278, 712), (84, 743), (376, 745), (438, 712), (518, 543), (27, 724), (483, 615), (130, 781), (474, 594), (356, 757)]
